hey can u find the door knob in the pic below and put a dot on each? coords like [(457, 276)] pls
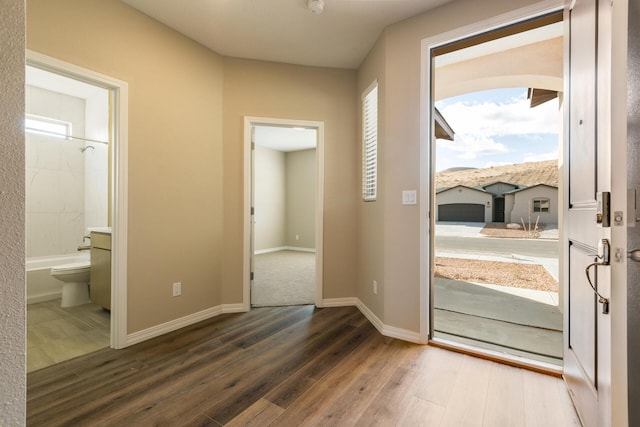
[(634, 255)]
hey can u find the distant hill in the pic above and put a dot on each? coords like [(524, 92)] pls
[(458, 169), (525, 174)]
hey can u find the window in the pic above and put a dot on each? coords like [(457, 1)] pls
[(541, 205), (370, 143), (47, 126)]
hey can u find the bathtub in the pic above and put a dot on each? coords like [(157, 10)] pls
[(41, 286)]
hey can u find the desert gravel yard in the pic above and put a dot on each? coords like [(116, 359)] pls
[(517, 275), (501, 230)]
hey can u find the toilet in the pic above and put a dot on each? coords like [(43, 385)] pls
[(75, 278)]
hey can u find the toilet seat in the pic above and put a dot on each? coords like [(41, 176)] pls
[(65, 268)]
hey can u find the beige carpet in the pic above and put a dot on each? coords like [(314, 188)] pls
[(284, 278)]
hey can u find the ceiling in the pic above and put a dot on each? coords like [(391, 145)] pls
[(283, 138), (285, 30)]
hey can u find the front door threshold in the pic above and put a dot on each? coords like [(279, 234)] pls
[(499, 357)]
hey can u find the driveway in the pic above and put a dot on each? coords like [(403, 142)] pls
[(466, 229)]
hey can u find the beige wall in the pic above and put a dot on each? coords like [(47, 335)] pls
[(398, 71), (175, 146), (285, 199), (182, 194), (13, 365), (270, 181), (371, 264), (301, 199), (264, 89)]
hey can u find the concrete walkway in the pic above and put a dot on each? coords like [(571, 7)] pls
[(520, 322)]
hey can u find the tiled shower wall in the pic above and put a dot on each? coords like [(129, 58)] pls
[(55, 177)]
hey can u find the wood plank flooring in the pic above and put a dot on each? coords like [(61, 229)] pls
[(291, 366)]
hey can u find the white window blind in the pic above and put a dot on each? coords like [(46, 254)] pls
[(370, 143)]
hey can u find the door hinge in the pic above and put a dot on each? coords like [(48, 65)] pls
[(253, 210), (251, 276)]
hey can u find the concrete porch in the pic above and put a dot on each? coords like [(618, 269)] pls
[(519, 322)]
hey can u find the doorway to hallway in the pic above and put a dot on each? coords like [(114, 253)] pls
[(284, 257)]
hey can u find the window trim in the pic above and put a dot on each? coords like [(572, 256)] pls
[(541, 208), (370, 144)]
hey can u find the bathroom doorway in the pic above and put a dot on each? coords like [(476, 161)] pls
[(74, 145), (284, 256)]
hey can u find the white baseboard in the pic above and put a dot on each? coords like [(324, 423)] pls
[(269, 250), (339, 302), (172, 325), (299, 249), (234, 308), (386, 330), (43, 297), (283, 248), (175, 324), (375, 320)]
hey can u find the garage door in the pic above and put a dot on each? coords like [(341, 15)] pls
[(462, 212)]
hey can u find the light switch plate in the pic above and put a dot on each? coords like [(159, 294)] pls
[(409, 197)]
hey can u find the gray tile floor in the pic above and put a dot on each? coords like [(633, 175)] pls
[(55, 334)]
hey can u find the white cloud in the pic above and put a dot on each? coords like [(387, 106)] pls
[(530, 157), (471, 146), (491, 119)]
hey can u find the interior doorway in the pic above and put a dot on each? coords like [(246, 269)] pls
[(285, 198), (486, 292), (76, 170)]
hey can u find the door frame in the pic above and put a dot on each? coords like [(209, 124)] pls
[(427, 143), (249, 123), (119, 180)]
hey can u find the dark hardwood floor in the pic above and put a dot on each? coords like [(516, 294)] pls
[(290, 366)]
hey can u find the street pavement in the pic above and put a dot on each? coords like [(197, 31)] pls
[(499, 246), (463, 240)]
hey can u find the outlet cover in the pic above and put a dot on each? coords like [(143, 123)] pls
[(177, 289)]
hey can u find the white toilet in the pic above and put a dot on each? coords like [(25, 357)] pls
[(75, 278)]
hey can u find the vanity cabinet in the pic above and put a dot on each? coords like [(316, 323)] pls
[(100, 276)]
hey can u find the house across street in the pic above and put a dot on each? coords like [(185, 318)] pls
[(504, 194)]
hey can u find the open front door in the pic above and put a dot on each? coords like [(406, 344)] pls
[(590, 167)]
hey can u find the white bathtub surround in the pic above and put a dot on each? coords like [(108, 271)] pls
[(54, 177), (67, 179)]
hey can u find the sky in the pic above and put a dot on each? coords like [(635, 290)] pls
[(497, 127)]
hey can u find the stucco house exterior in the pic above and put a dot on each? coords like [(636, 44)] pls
[(541, 200), (464, 204), (498, 202)]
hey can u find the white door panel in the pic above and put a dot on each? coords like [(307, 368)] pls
[(582, 314), (587, 352)]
